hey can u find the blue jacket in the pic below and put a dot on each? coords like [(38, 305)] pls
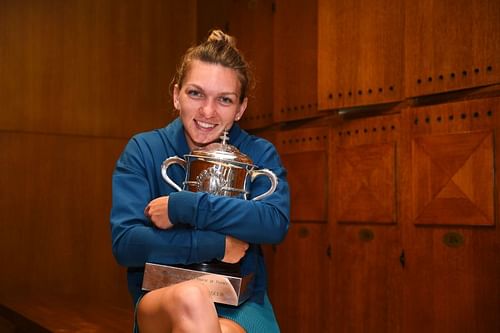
[(200, 220)]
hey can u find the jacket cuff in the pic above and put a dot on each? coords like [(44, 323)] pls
[(211, 245), (182, 207)]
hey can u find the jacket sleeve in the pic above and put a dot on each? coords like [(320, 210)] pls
[(134, 239), (264, 221)]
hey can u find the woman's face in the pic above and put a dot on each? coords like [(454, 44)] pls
[(208, 102)]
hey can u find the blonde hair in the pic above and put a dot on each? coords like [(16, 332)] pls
[(219, 48)]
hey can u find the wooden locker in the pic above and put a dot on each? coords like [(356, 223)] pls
[(295, 60), (451, 45), (364, 226), (298, 268), (360, 52), (449, 214)]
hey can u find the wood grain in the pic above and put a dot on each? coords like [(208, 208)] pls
[(451, 45), (360, 52)]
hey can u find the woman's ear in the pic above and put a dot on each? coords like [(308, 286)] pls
[(242, 108), (176, 93)]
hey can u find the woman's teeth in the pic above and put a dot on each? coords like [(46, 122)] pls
[(205, 125)]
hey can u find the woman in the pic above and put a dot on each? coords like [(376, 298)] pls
[(151, 222)]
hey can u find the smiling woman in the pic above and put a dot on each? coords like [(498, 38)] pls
[(208, 102), (152, 222)]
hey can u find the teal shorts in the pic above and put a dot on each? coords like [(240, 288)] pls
[(253, 317)]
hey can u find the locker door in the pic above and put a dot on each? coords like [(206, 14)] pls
[(450, 211)]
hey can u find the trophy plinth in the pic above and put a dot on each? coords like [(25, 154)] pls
[(219, 169), (224, 288)]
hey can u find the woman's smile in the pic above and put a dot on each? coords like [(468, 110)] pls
[(204, 126)]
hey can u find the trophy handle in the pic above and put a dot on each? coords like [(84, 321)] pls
[(272, 177), (164, 166)]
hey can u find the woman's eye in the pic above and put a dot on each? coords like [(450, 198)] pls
[(194, 93), (226, 100)]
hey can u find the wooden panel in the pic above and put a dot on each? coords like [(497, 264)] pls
[(366, 279), (90, 67), (252, 24), (211, 15), (305, 156), (364, 171), (453, 179), (360, 52), (268, 133), (452, 271), (459, 117), (366, 188), (298, 279), (451, 44), (453, 149), (366, 272), (451, 288), (295, 59), (56, 197)]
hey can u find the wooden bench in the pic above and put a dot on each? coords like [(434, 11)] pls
[(55, 314)]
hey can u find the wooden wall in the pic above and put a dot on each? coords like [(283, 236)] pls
[(77, 79), (385, 113)]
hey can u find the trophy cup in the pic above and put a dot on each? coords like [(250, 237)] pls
[(219, 169)]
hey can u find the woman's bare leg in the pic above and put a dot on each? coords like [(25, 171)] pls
[(183, 307)]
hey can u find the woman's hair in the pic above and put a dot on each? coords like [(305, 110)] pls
[(219, 48)]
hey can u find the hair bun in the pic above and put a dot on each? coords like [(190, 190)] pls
[(220, 36)]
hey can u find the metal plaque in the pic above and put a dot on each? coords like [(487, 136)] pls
[(224, 289)]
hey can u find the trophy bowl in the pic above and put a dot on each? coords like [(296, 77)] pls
[(220, 169)]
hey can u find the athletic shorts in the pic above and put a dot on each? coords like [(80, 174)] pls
[(253, 317)]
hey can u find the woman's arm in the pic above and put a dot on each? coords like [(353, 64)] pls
[(135, 239), (263, 221)]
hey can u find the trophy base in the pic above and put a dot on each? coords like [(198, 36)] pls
[(215, 267), (225, 288)]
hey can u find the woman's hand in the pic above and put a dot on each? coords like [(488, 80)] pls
[(157, 212), (235, 250)]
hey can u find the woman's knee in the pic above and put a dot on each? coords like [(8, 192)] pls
[(191, 294), (186, 300), (183, 296)]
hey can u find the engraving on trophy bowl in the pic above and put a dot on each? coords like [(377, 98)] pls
[(216, 177), (216, 180)]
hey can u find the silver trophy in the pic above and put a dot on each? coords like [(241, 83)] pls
[(220, 169)]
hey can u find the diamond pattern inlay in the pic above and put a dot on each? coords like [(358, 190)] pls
[(453, 178), (366, 183)]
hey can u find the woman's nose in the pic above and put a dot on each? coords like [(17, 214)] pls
[(209, 108)]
